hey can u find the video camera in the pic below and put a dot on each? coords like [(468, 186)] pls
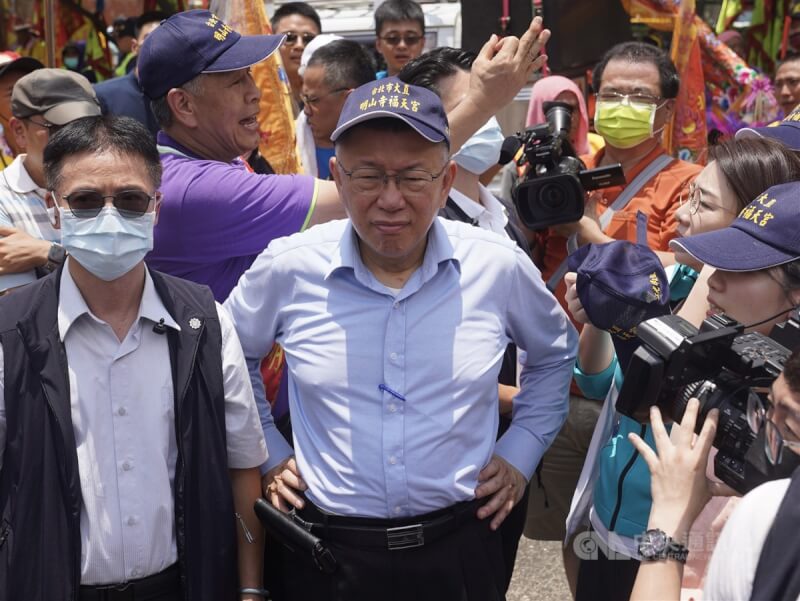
[(724, 369), (553, 189)]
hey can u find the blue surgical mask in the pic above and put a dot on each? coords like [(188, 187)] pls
[(108, 245), (71, 62), (482, 150)]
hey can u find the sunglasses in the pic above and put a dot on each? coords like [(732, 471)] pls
[(86, 204), (292, 37), (394, 40)]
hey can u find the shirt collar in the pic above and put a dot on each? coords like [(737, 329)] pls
[(72, 306), (18, 179), (167, 145), (347, 256)]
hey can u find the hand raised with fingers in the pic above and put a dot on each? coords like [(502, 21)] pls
[(283, 486), (504, 485), (679, 485), (503, 66)]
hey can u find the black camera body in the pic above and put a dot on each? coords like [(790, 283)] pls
[(720, 366), (554, 187)]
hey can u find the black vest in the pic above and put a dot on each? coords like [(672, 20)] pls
[(40, 493)]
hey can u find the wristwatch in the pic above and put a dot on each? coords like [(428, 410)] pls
[(655, 545), (55, 258)]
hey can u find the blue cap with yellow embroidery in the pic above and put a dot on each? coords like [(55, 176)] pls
[(418, 107), (194, 42), (764, 235), (786, 131)]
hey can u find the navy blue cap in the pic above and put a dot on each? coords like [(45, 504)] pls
[(418, 107), (765, 234), (786, 131), (194, 42), (620, 284)]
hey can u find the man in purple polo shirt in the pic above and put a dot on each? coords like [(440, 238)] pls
[(217, 216)]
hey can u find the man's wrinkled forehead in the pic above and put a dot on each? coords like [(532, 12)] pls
[(627, 77)]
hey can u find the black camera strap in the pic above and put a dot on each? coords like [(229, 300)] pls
[(622, 201)]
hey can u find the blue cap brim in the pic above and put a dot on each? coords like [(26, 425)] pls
[(427, 132), (788, 134), (247, 51), (731, 249)]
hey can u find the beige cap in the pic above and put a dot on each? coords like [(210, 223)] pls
[(60, 96)]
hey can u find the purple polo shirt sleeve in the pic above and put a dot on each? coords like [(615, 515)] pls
[(217, 217)]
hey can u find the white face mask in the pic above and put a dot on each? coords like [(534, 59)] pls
[(482, 150), (108, 245)]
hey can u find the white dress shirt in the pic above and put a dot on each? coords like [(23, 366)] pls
[(122, 403), (490, 214)]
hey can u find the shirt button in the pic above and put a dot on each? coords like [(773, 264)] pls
[(392, 407), (398, 509), (127, 466), (392, 459), (131, 521), (393, 356), (135, 572), (396, 305), (121, 411)]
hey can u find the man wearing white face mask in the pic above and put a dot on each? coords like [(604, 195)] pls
[(129, 437), (445, 71), (41, 103)]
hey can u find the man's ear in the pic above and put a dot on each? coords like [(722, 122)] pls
[(183, 108), (19, 133), (448, 177), (51, 203), (157, 208)]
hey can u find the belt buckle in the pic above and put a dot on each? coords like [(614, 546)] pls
[(405, 537)]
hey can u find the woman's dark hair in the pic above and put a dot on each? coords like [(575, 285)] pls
[(393, 11), (121, 135), (753, 164), (639, 52), (791, 371), (430, 68)]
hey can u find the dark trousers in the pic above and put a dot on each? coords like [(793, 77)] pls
[(607, 579), (464, 565), (164, 586)]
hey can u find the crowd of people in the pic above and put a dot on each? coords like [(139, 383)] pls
[(379, 347)]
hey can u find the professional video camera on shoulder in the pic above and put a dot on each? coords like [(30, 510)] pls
[(555, 182), (724, 369)]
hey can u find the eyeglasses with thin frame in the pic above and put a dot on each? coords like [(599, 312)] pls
[(759, 409), (292, 37), (51, 128), (372, 181), (694, 196), (410, 39), (635, 98), (86, 204), (313, 101)]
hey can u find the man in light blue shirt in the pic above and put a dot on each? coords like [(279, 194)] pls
[(394, 324)]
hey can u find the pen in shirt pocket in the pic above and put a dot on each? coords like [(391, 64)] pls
[(394, 393)]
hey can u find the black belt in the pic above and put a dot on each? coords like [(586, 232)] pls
[(394, 535), (165, 582)]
